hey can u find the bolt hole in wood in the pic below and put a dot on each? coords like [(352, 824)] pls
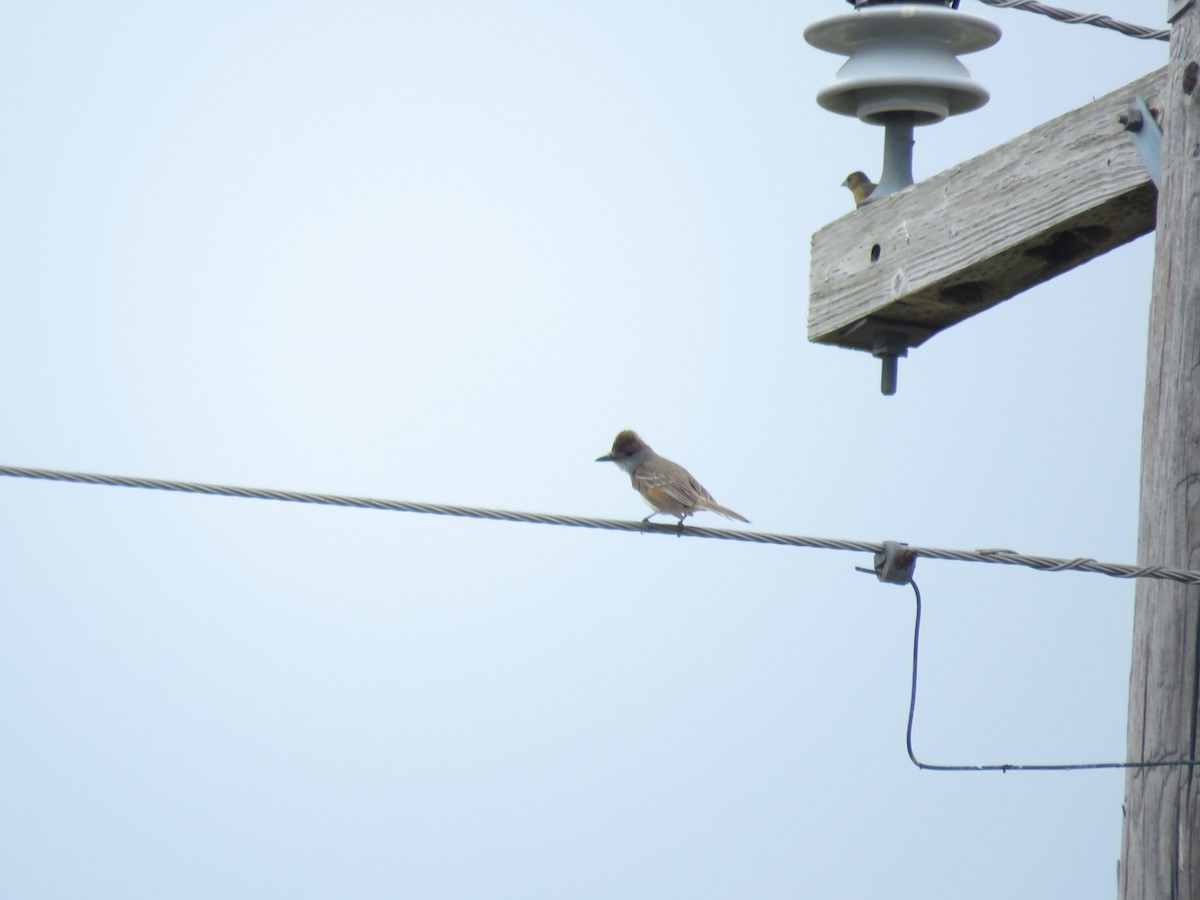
[(1190, 73), (875, 251)]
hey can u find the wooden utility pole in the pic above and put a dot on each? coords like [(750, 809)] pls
[(1160, 847), (922, 260)]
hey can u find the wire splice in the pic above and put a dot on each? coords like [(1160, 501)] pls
[(1073, 18)]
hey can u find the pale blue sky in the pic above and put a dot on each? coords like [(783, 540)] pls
[(444, 252)]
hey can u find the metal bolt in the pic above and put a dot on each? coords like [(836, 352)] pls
[(889, 346), (1131, 119)]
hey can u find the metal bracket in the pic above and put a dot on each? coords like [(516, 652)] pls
[(1175, 7), (1143, 129)]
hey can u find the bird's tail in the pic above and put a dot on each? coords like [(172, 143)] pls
[(725, 511)]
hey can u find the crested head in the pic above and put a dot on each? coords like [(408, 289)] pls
[(628, 451), (627, 443)]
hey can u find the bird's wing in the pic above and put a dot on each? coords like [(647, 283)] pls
[(673, 480)]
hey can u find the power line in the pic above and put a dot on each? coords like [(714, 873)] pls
[(1074, 18), (1000, 557)]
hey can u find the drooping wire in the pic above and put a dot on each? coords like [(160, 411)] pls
[(999, 557), (1074, 18), (1002, 767)]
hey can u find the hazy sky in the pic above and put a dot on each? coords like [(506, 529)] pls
[(444, 252)]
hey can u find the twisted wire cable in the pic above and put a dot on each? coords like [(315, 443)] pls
[(1074, 18), (1000, 557)]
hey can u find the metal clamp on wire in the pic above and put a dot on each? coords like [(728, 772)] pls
[(894, 564)]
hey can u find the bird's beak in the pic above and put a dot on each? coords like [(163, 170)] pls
[(846, 183), (606, 458)]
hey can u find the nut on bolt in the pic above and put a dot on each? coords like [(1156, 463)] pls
[(1131, 119)]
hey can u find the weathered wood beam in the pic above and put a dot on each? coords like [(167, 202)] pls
[(970, 237)]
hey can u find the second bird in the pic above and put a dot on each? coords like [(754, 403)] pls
[(861, 187), (667, 486)]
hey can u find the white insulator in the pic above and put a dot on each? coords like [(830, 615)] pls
[(903, 58)]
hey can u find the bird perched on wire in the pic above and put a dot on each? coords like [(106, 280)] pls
[(666, 486), (860, 186)]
